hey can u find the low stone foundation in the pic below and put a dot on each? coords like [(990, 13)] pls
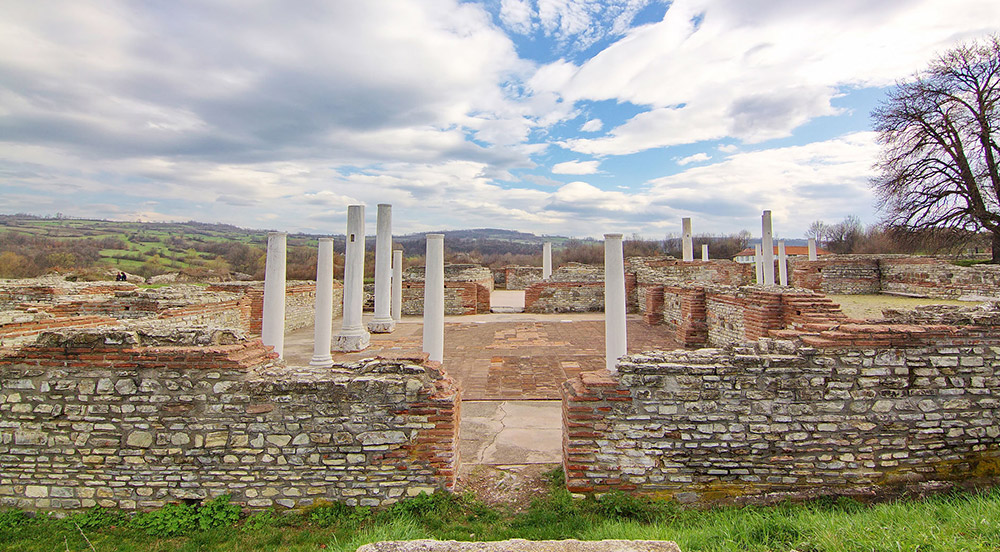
[(136, 419)]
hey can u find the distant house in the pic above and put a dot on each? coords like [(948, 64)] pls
[(748, 255)]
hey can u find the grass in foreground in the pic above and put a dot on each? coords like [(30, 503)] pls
[(958, 522)]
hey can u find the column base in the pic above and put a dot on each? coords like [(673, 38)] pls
[(351, 343), (321, 361), (382, 326)]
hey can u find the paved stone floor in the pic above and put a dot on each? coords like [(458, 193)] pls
[(503, 356)]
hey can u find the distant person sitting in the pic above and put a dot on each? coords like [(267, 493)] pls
[(124, 277), (118, 277)]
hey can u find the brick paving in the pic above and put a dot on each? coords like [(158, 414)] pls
[(503, 360)]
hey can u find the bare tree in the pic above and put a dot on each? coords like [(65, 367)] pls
[(938, 167)]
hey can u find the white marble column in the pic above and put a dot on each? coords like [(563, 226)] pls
[(782, 264), (272, 327), (812, 249), (397, 284), (353, 336), (324, 305), (383, 322), (704, 251), (615, 338), (434, 298), (758, 264), (546, 260), (767, 245), (687, 243)]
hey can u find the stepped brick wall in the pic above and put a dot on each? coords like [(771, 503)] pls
[(720, 315), (903, 274), (136, 420), (829, 409)]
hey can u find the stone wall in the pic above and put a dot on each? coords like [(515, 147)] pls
[(460, 298), (902, 274), (467, 290), (553, 297), (852, 409), (137, 419), (521, 277), (300, 302), (657, 271)]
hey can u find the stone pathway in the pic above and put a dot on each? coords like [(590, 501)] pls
[(503, 356)]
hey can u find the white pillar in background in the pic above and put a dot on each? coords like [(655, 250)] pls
[(782, 264), (758, 264), (546, 260), (383, 322), (353, 336), (324, 305), (615, 339), (434, 298), (812, 249), (397, 285), (687, 243), (767, 244), (272, 326), (704, 251)]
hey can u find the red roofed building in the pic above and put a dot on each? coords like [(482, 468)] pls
[(748, 254)]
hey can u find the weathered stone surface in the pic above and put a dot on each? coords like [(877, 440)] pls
[(520, 545)]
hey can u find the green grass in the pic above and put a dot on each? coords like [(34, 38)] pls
[(957, 522)]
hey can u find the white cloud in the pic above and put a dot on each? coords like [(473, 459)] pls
[(593, 125), (757, 69), (576, 167), (696, 158)]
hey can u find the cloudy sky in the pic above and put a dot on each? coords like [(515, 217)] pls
[(572, 117)]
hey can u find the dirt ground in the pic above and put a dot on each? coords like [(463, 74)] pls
[(869, 307), (511, 487)]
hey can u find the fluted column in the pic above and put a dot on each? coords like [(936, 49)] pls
[(272, 330), (383, 322), (353, 336), (397, 285), (324, 305), (767, 244), (615, 338), (434, 298)]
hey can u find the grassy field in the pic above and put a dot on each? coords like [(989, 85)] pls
[(869, 307), (958, 522)]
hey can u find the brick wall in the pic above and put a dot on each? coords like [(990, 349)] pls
[(656, 271), (851, 410), (137, 420), (720, 315)]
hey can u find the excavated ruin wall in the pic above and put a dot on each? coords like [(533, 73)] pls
[(905, 274), (134, 420), (651, 272), (856, 410), (467, 290), (573, 287)]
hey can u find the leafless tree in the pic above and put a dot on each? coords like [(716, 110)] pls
[(938, 166)]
